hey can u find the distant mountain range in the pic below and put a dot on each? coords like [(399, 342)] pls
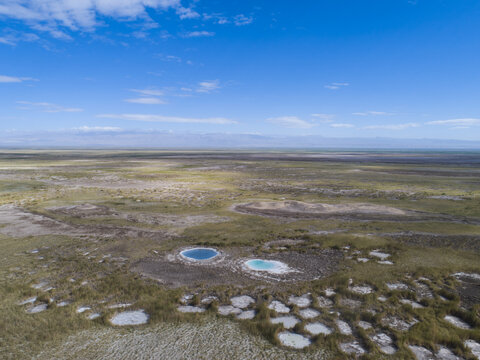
[(117, 138)]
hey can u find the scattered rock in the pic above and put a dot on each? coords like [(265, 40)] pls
[(382, 298), (379, 254), (397, 324), (363, 260), (28, 301), (209, 299), (412, 303), (446, 354), (350, 303), (385, 262), (82, 309), (324, 302), (94, 316), (361, 289), (421, 353), (329, 292), (397, 286)]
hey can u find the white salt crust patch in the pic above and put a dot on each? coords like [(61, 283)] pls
[(361, 289), (343, 327), (242, 302), (82, 309), (309, 313), (288, 322), (352, 348), (474, 347), (300, 301), (228, 310), (279, 307), (457, 322), (384, 342), (412, 303), (37, 309), (28, 301), (246, 315), (190, 309), (125, 318), (317, 328), (293, 340), (397, 286), (379, 254)]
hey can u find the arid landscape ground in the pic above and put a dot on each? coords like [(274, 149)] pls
[(378, 255)]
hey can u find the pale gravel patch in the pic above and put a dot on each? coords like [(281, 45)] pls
[(457, 322), (474, 347), (324, 302), (28, 301), (242, 301), (361, 289), (36, 309), (343, 327), (352, 348), (247, 315), (379, 254), (309, 313), (412, 303), (127, 318), (190, 309), (301, 301), (365, 325), (397, 286), (226, 310), (292, 340), (288, 322), (317, 328), (82, 309), (384, 342), (208, 339), (279, 307)]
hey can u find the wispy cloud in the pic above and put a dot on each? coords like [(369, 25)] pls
[(336, 85), (464, 122), (168, 119), (146, 101), (148, 92), (208, 86), (324, 118), (342, 125), (291, 122), (46, 107), (54, 15), (96, 129), (194, 34), (393, 126), (374, 113), (14, 79), (241, 20)]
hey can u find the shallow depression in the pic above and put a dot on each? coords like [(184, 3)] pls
[(271, 266)]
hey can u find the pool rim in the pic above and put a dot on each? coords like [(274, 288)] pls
[(184, 257)]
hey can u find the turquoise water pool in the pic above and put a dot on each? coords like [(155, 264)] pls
[(258, 264), (199, 253)]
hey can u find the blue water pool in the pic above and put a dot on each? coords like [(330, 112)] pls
[(199, 253), (258, 264)]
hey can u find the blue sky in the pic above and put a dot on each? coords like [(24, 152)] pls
[(397, 68)]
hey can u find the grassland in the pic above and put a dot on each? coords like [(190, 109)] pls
[(141, 207)]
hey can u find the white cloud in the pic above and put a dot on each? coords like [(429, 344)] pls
[(194, 34), (290, 121), (51, 15), (146, 101), (341, 125), (393, 126), (457, 122), (374, 113), (46, 107), (169, 119), (14, 79), (324, 118), (336, 85), (88, 129), (208, 86), (241, 20), (148, 92)]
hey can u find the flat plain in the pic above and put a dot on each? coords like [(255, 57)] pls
[(379, 254)]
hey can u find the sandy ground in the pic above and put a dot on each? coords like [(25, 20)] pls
[(211, 339)]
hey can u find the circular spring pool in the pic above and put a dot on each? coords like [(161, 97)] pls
[(271, 266), (199, 254)]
